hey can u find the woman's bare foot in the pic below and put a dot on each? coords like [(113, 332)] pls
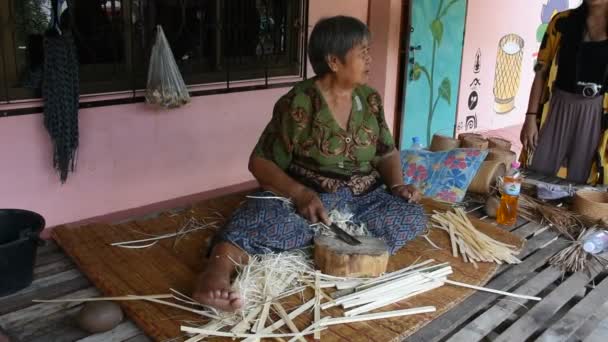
[(212, 286)]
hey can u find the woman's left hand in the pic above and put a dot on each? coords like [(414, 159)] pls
[(408, 192)]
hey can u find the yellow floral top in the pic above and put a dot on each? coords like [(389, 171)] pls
[(547, 55)]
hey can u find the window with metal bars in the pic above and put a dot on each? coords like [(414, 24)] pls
[(217, 42)]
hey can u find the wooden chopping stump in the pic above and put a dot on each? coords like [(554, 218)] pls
[(336, 257)]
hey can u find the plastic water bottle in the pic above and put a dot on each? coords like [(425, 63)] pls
[(596, 243), (416, 144), (507, 211)]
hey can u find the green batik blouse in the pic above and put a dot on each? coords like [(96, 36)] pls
[(305, 140)]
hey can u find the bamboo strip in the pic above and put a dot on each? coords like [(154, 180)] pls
[(285, 317), (348, 284), (321, 292), (312, 327), (379, 315), (292, 315), (387, 301), (403, 289), (317, 313), (453, 240), (263, 316), (177, 306), (474, 246), (401, 273), (244, 325), (96, 299), (485, 289), (194, 330), (387, 287), (213, 325), (161, 237)]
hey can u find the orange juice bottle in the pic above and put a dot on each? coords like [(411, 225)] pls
[(507, 211)]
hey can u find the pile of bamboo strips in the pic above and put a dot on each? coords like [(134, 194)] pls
[(391, 288), (358, 296), (269, 279), (468, 242), (263, 283)]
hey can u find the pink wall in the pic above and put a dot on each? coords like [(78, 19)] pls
[(319, 9), (132, 156), (487, 22), (385, 25)]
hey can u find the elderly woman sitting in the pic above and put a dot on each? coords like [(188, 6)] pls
[(326, 147)]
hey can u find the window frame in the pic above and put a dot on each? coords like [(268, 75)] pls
[(21, 101)]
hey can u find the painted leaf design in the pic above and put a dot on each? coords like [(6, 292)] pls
[(437, 30), (445, 90), (447, 8), (416, 71)]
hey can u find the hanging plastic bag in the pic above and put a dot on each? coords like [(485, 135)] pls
[(165, 86)]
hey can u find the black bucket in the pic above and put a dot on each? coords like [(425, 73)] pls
[(19, 241)]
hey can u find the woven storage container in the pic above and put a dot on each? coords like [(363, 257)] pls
[(443, 143), (474, 142), (506, 157), (485, 179), (499, 143), (591, 204)]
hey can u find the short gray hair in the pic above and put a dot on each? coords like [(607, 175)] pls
[(334, 36)]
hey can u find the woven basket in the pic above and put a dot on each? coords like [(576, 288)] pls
[(443, 143), (591, 204), (506, 157), (485, 179), (499, 143), (463, 136), (474, 142)]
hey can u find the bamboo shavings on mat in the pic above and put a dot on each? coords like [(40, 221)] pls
[(190, 226), (267, 278), (574, 258), (193, 306), (468, 242)]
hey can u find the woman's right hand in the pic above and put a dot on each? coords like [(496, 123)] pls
[(310, 207), (529, 133)]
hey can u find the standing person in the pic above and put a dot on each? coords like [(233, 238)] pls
[(565, 132)]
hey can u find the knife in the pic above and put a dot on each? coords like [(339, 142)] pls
[(343, 235)]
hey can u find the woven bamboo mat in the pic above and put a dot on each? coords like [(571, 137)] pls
[(118, 272)]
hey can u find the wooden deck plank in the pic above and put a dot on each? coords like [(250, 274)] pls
[(494, 316), (577, 316), (445, 324), (45, 259), (527, 230), (45, 288), (540, 314), (600, 333), (21, 319), (60, 326), (58, 266), (139, 338), (532, 245), (123, 331), (536, 242), (49, 247), (592, 323)]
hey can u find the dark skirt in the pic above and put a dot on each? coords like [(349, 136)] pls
[(269, 225)]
